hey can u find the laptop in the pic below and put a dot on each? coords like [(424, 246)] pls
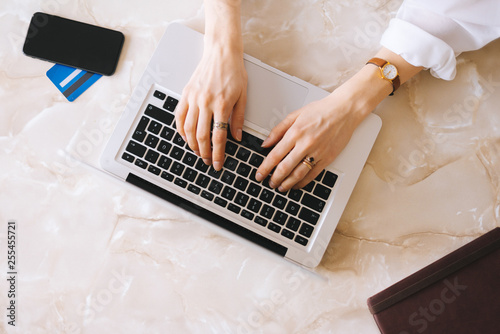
[(146, 151)]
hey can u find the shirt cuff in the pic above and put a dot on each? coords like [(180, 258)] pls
[(419, 48)]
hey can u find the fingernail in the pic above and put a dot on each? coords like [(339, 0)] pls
[(258, 177), (238, 135), (207, 162), (281, 189), (197, 153), (184, 138), (217, 165), (271, 184), (264, 143)]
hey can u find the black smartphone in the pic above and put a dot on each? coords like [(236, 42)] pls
[(71, 43)]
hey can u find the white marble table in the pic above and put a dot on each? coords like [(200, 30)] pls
[(98, 256)]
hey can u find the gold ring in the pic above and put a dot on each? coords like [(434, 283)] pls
[(220, 125), (309, 162)]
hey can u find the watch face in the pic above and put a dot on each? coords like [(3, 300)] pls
[(390, 71)]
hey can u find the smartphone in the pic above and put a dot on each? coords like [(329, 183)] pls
[(71, 43)]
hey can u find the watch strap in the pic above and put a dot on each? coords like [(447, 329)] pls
[(381, 63)]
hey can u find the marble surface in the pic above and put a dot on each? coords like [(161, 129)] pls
[(98, 256)]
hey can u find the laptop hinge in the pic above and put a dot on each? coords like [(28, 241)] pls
[(207, 214)]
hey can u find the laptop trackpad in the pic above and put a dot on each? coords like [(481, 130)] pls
[(271, 97)]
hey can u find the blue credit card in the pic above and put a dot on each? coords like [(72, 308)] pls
[(70, 81)]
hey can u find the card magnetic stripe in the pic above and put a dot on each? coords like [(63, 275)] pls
[(77, 84)]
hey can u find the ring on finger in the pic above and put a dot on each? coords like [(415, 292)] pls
[(220, 125), (309, 162)]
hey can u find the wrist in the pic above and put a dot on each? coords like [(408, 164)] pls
[(223, 25)]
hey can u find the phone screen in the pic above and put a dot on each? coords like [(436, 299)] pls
[(71, 43)]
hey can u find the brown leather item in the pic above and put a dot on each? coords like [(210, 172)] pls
[(381, 63), (457, 294)]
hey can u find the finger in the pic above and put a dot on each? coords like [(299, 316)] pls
[(203, 136), (279, 130), (180, 116), (219, 136), (309, 177), (238, 116), (300, 177), (273, 159), (287, 166), (190, 128)]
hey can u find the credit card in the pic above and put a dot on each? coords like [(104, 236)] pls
[(70, 81)]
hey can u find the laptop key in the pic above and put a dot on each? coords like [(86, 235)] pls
[(214, 173), (254, 143), (313, 202), (164, 162), (292, 208), (309, 216), (241, 183), (275, 228), (295, 194), (177, 153), (194, 189), (301, 240), (164, 147), (151, 141), (136, 149), (206, 195), (178, 140), (180, 182), (306, 230), (228, 193), (243, 169), (215, 187), (203, 181), (154, 127), (287, 234), (128, 157), (139, 135), (152, 156), (279, 201), (170, 103), (159, 95), (255, 160), (220, 201), (228, 177), (243, 154), (158, 114), (200, 165), (247, 214), (190, 174), (261, 221), (241, 199), (309, 187), (230, 163), (167, 133), (233, 208), (280, 217), (267, 211), (329, 179), (167, 176), (189, 159), (177, 168), (254, 189), (293, 224), (141, 163), (266, 195), (254, 205), (322, 191), (231, 148)]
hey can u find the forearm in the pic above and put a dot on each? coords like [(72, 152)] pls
[(223, 25), (366, 89)]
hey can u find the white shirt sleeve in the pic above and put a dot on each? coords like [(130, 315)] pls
[(431, 33)]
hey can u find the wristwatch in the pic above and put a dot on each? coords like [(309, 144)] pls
[(388, 72)]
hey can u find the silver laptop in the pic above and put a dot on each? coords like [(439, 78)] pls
[(146, 151)]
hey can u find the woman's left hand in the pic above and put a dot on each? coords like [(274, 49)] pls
[(319, 130)]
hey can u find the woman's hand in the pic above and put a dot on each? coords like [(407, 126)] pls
[(320, 130), (217, 91)]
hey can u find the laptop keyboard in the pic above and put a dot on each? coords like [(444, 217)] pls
[(156, 147)]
